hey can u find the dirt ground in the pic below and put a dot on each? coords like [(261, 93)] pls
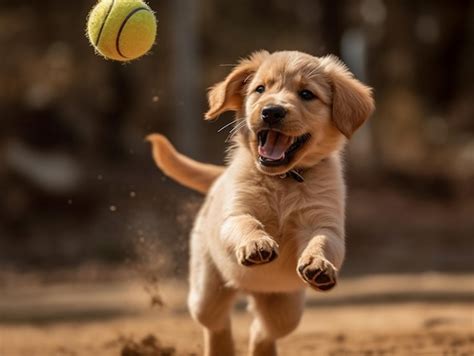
[(425, 314)]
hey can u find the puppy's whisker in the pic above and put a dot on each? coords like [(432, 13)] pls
[(231, 134), (235, 130), (238, 126), (227, 125)]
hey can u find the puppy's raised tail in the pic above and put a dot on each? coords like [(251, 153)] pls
[(186, 171)]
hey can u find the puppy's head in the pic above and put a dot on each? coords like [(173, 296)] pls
[(298, 108)]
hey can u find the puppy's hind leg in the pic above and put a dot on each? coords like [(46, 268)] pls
[(276, 315), (210, 302)]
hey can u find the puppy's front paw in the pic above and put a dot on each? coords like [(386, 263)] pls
[(257, 252), (318, 272)]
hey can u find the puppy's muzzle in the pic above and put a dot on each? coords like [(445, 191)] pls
[(273, 114)]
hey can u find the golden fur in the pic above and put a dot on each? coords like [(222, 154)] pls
[(257, 233)]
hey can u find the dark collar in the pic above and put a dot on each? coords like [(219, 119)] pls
[(296, 174)]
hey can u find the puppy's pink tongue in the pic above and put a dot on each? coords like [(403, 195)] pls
[(275, 146)]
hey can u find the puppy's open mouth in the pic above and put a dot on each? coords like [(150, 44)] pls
[(276, 149)]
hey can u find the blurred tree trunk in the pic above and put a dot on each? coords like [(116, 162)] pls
[(332, 24), (186, 77)]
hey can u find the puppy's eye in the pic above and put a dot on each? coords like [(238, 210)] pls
[(260, 89), (306, 95)]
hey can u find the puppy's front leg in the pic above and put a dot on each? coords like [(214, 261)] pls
[(246, 237), (322, 258)]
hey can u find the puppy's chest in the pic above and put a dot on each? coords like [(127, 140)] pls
[(282, 212)]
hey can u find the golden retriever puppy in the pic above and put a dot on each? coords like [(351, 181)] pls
[(273, 219)]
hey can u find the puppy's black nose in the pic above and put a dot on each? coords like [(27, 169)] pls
[(273, 114)]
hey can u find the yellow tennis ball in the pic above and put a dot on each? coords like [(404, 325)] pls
[(121, 29)]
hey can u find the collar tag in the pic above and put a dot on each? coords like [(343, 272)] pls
[(293, 174)]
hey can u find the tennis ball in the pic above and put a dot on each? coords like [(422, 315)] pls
[(121, 30)]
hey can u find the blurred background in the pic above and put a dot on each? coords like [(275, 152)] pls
[(78, 184), (77, 178)]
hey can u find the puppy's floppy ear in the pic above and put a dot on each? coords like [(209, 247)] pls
[(229, 94), (352, 101)]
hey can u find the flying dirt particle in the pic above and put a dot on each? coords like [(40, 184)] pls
[(156, 99), (148, 346), (153, 292), (113, 208), (133, 194), (150, 266)]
